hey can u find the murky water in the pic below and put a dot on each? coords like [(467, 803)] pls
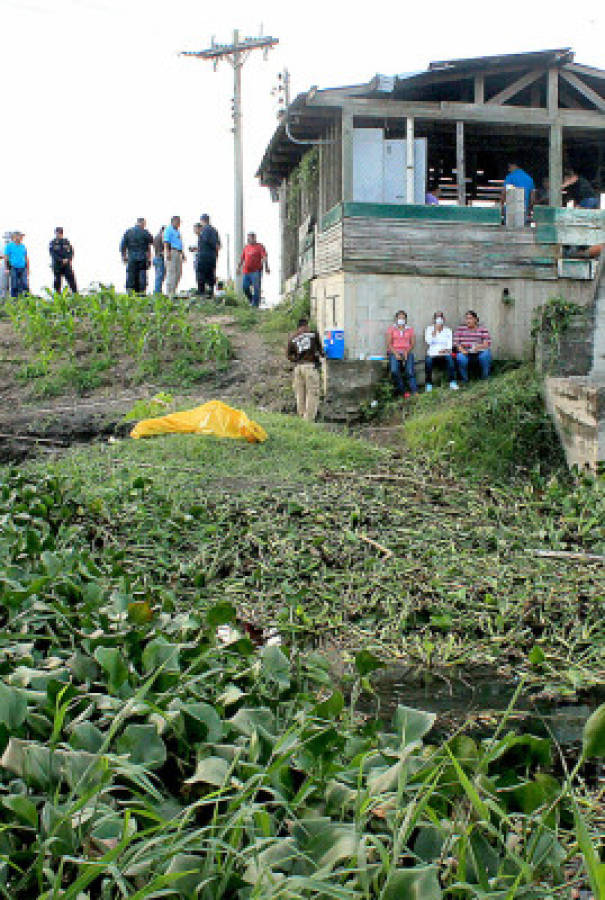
[(478, 697)]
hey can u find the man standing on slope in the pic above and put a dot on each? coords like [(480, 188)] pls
[(208, 246), (61, 255), (135, 248), (252, 259), (158, 261), (305, 350), (17, 263), (173, 248)]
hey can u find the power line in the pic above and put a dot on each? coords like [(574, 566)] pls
[(236, 54)]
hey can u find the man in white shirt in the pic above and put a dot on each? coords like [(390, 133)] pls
[(438, 339)]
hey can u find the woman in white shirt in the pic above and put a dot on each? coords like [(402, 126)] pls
[(438, 339)]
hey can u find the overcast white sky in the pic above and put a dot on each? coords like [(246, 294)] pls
[(104, 122)]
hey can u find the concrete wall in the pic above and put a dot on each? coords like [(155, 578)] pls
[(574, 383), (367, 303), (577, 407)]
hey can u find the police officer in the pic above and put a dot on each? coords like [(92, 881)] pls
[(208, 246), (61, 256), (135, 248)]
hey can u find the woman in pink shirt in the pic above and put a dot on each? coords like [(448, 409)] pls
[(401, 341)]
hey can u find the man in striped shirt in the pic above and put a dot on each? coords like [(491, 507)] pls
[(472, 342)]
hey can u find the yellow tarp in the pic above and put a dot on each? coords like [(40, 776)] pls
[(213, 417)]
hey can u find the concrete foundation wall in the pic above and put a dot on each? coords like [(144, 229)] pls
[(577, 407), (347, 384), (574, 383), (366, 304)]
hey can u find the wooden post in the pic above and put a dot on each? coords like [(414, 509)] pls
[(283, 225), (552, 98), (460, 174), (480, 88), (555, 164), (347, 157), (321, 200), (409, 160)]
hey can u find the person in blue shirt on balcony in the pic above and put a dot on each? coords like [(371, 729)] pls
[(518, 178)]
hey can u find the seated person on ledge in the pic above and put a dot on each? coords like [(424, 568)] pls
[(472, 342), (438, 341), (401, 340)]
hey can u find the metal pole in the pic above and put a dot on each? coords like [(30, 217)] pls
[(238, 156)]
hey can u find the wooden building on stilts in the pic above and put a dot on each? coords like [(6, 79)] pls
[(350, 168)]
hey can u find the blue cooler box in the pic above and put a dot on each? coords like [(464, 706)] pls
[(334, 344)]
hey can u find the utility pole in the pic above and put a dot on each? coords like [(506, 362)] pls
[(282, 92), (236, 53)]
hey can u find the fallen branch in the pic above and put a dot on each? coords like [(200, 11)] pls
[(567, 554), (58, 442), (375, 544)]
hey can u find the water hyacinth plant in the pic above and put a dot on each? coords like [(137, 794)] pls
[(142, 757)]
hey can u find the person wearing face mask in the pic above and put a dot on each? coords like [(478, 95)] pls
[(438, 339), (401, 341)]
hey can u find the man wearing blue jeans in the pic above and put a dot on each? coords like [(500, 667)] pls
[(17, 263), (252, 259), (158, 261)]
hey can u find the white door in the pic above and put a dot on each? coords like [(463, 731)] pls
[(367, 165), (394, 172)]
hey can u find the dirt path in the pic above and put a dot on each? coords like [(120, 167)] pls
[(257, 375)]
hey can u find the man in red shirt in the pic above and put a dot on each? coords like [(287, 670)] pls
[(401, 341), (252, 259)]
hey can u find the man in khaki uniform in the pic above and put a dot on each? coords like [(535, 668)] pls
[(305, 350)]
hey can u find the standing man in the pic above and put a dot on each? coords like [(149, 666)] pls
[(208, 246), (472, 341), (401, 341), (305, 350), (135, 248), (158, 260), (580, 190), (197, 227), (252, 259), (61, 256), (518, 178), (173, 250), (17, 263)]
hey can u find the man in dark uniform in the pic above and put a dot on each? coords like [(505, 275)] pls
[(208, 246), (61, 255), (135, 248)]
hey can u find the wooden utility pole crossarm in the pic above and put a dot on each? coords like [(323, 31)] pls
[(236, 53)]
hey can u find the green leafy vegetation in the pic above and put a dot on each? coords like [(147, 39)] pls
[(285, 315), (494, 429), (142, 756), (549, 324), (349, 543), (77, 341), (302, 183)]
